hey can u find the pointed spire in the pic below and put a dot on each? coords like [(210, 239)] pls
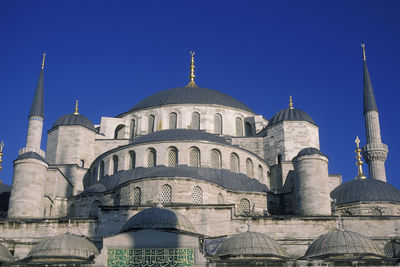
[(291, 103), (76, 108), (359, 162), (192, 76), (37, 108), (369, 97)]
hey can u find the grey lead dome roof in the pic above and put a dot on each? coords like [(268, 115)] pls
[(365, 190), (159, 218), (190, 95), (342, 243), (73, 119), (310, 151), (290, 115), (250, 244), (5, 255)]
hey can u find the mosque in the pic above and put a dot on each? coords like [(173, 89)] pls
[(190, 176)]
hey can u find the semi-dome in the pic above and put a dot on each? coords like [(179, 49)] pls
[(64, 247), (74, 119), (189, 95), (310, 151), (5, 255), (95, 188), (342, 243), (290, 114), (365, 190), (159, 218), (251, 244)]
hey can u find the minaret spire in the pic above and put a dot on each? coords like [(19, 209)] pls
[(369, 97), (192, 67), (37, 108)]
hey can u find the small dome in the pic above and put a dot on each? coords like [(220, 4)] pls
[(290, 115), (95, 188), (365, 190), (342, 243), (251, 244), (159, 218), (72, 119), (190, 95), (31, 155), (310, 151), (67, 246), (5, 255)]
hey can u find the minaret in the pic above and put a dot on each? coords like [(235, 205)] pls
[(374, 152), (30, 167)]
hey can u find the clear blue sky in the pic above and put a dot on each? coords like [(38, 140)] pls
[(112, 54)]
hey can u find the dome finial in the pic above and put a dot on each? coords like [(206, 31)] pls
[(359, 162), (1, 154), (44, 56), (76, 108), (290, 102), (248, 224), (363, 48), (340, 223), (192, 67)]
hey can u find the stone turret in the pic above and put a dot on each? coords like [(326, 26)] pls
[(30, 167), (374, 152), (311, 193)]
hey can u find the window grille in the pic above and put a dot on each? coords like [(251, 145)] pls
[(215, 159), (101, 171), (218, 123), (150, 126), (220, 199), (132, 160), (115, 163), (249, 167), (172, 120), (197, 195), (234, 163), (151, 158), (194, 157), (172, 157), (260, 173), (244, 206), (136, 196), (133, 129), (195, 121), (166, 194), (239, 126)]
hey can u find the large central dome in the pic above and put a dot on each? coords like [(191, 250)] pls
[(190, 95)]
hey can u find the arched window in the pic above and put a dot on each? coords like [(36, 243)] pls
[(234, 163), (115, 163), (136, 196), (218, 123), (215, 159), (150, 125), (95, 209), (101, 171), (239, 126), (244, 207), (249, 129), (133, 128), (249, 167), (172, 120), (166, 194), (151, 157), (197, 195), (279, 159), (220, 199), (194, 157), (119, 132), (172, 157), (195, 121), (132, 160), (260, 173)]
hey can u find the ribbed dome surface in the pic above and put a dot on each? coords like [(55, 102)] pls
[(342, 243), (64, 246), (190, 95), (72, 119), (159, 218), (290, 115), (250, 244), (365, 190), (5, 255)]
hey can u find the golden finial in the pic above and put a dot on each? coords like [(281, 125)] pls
[(363, 48), (1, 153), (291, 102), (192, 76), (76, 108), (359, 162), (44, 56)]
